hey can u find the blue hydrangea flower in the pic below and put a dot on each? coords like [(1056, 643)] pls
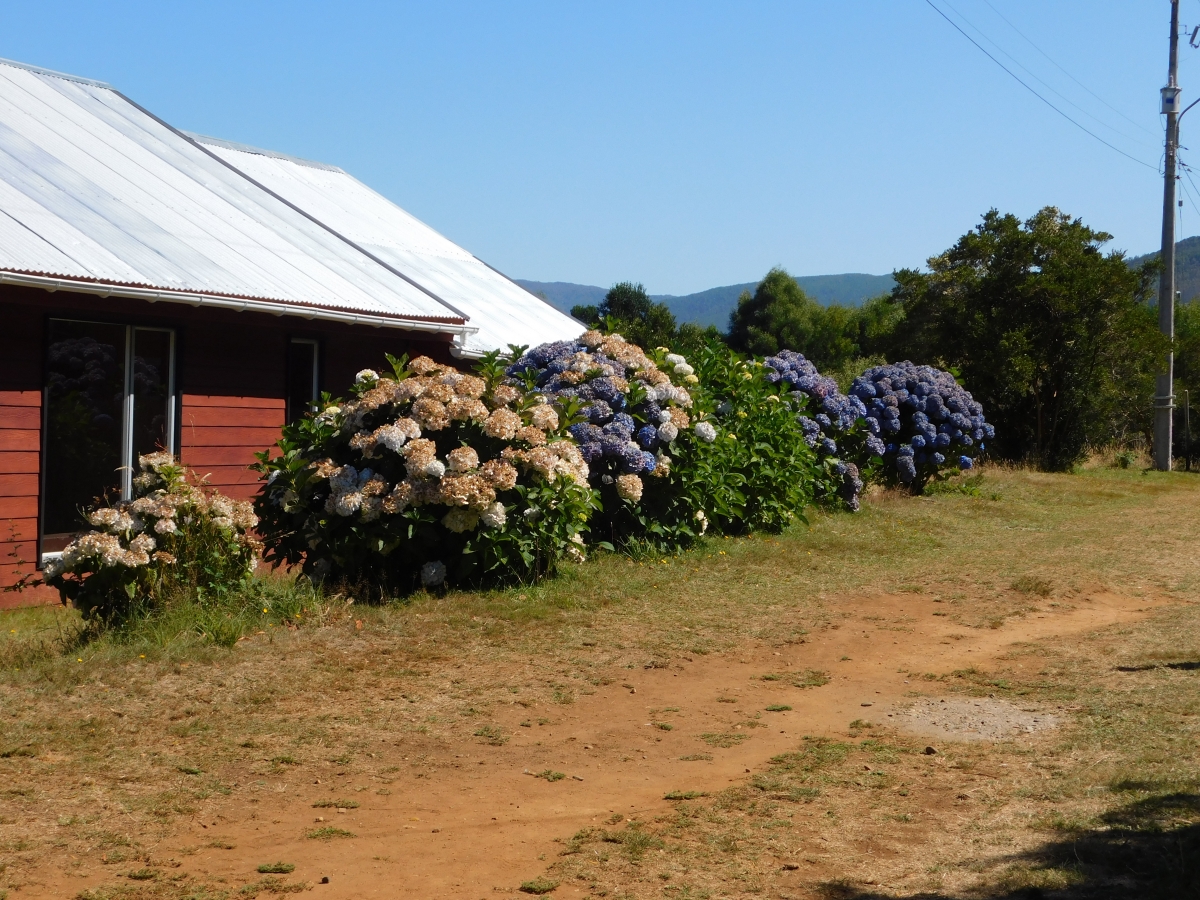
[(613, 445), (585, 432), (598, 412), (632, 460), (619, 429)]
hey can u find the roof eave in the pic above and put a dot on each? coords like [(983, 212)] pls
[(459, 328)]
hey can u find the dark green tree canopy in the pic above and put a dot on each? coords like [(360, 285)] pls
[(1056, 338), (779, 315), (627, 308)]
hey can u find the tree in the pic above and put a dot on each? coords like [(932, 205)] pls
[(1187, 370), (1056, 339), (781, 316), (627, 308)]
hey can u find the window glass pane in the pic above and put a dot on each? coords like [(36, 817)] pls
[(151, 391), (85, 381), (302, 378)]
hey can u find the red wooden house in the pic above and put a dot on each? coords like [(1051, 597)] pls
[(161, 290)]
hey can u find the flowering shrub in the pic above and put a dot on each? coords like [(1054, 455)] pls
[(833, 426), (641, 432), (427, 476), (929, 422), (172, 534)]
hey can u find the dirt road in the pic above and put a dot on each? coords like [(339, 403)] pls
[(466, 820)]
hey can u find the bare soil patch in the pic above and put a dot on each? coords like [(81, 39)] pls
[(985, 719)]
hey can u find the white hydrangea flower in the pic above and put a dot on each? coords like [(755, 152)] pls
[(143, 543), (494, 515), (348, 504), (706, 432), (390, 436), (434, 469), (674, 359), (114, 519), (667, 432), (459, 520), (366, 375), (703, 520), (53, 567), (433, 573), (664, 417)]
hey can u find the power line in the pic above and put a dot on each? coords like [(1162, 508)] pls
[(1068, 74), (1195, 192), (1017, 78), (1037, 78)]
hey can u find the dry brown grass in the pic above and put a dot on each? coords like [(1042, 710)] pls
[(106, 746)]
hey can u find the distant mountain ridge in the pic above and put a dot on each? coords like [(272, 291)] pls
[(1187, 266), (713, 306)]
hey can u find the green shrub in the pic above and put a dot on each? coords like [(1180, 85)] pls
[(175, 535)]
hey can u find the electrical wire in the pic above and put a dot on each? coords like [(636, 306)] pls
[(1031, 90), (1068, 74), (1187, 170), (1038, 79)]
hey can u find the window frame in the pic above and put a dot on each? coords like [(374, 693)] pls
[(128, 464), (315, 345)]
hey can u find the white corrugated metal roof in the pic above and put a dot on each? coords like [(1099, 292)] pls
[(93, 188), (503, 311)]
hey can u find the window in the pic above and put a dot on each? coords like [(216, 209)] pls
[(303, 378), (109, 396)]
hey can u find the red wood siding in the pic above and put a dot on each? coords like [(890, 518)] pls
[(20, 414), (220, 435)]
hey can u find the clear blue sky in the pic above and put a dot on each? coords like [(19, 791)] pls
[(683, 145)]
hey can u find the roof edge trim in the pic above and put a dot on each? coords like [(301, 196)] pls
[(531, 293), (259, 151), (152, 295), (52, 73)]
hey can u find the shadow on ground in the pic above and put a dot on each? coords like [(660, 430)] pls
[(1148, 850), (1178, 666)]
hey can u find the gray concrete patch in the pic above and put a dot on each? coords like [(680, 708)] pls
[(969, 719)]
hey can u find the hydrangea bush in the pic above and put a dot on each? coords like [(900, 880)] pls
[(833, 425), (174, 533), (427, 476), (640, 432), (929, 424), (675, 447)]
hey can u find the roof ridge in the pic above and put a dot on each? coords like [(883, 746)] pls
[(51, 72), (259, 151)]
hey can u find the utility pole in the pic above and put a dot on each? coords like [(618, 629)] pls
[(1164, 400)]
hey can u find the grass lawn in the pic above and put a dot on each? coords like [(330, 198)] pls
[(115, 752)]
